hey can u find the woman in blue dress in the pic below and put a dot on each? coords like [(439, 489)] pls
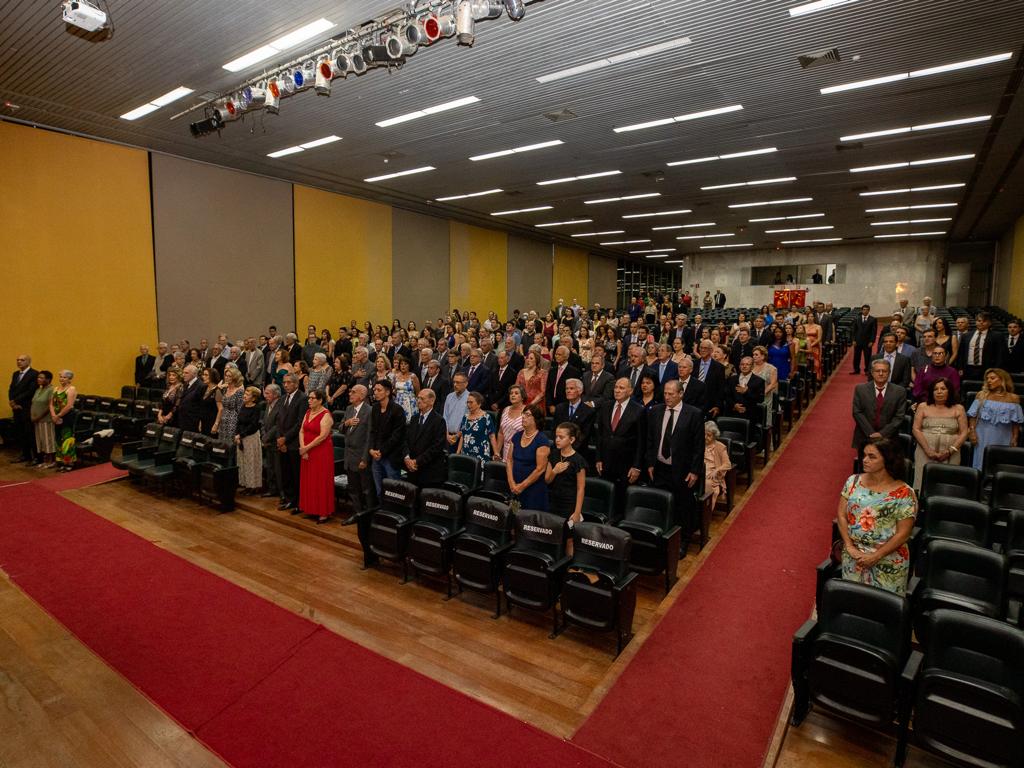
[(995, 415), (780, 353), (530, 451), (479, 437)]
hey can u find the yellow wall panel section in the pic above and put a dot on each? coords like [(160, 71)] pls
[(479, 277), (1016, 293), (570, 277), (342, 260), (78, 257)]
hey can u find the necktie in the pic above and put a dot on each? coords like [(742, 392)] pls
[(1013, 340), (572, 410), (978, 341), (666, 439), (430, 382), (423, 419), (891, 360), (682, 387), (471, 369), (703, 370), (616, 415), (634, 377), (879, 399), (558, 376)]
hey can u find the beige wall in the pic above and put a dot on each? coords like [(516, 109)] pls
[(529, 275), (420, 263), (602, 275)]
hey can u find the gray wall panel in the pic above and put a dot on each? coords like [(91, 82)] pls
[(420, 267), (602, 281), (529, 275), (224, 257)]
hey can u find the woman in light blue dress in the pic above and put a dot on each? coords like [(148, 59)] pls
[(406, 387), (995, 415)]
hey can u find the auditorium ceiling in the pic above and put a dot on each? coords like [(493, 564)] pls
[(741, 62)]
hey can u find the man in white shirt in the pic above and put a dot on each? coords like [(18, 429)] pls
[(455, 408)]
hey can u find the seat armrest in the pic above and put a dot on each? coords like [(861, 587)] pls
[(912, 668), (560, 565), (145, 451), (163, 457), (808, 631), (912, 587), (636, 525)]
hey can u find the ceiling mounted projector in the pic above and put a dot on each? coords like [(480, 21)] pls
[(83, 15)]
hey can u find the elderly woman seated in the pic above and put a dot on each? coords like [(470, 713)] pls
[(716, 462)]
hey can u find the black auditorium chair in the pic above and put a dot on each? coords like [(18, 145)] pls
[(128, 392), (162, 472), (951, 519), (166, 447), (1013, 548), (848, 660), (433, 534), (950, 481), (122, 418), (464, 474), (968, 692), (218, 475), (1007, 495), (495, 481), (83, 425), (193, 451), (384, 530), (599, 501), (1000, 458), (479, 553), (742, 445), (536, 565), (647, 517), (145, 445), (959, 576), (599, 592)]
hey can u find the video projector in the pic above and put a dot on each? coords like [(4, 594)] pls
[(84, 15)]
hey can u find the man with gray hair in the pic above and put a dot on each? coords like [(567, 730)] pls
[(289, 422), (878, 407), (292, 347), (187, 413), (356, 428), (436, 381), (268, 438)]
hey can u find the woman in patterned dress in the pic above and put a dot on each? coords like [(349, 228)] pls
[(61, 405), (479, 438), (876, 517), (407, 386), (533, 379), (231, 403), (511, 421)]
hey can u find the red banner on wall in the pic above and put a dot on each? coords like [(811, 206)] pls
[(790, 297)]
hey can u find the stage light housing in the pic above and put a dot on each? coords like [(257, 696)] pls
[(376, 55), (207, 126), (227, 110), (349, 63), (324, 75), (468, 12), (304, 76), (515, 9), (430, 28), (273, 99), (253, 96)]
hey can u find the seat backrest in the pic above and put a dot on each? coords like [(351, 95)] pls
[(599, 497), (441, 507), (464, 470), (140, 409), (151, 433), (128, 392), (88, 402), (398, 496), (188, 444), (740, 427), (169, 438), (490, 519), (866, 614), (538, 531), (988, 650), (495, 477), (1002, 458), (966, 569), (602, 548), (221, 452), (652, 506), (950, 480), (123, 407), (959, 519), (1008, 490), (105, 404)]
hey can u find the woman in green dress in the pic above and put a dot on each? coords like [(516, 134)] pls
[(61, 405)]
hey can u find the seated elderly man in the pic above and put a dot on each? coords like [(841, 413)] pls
[(937, 369)]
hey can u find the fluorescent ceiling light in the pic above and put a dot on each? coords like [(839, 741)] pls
[(705, 237), (656, 213), (564, 223), (619, 58), (624, 197), (681, 118), (284, 152), (655, 255), (911, 207), (788, 218), (684, 226), (410, 172), (910, 234), (427, 111), (814, 240), (578, 178), (523, 210), (785, 201), (517, 150), (780, 180), (913, 189), (160, 101), (796, 229), (468, 194), (909, 221), (818, 5), (916, 128), (912, 163), (674, 261), (727, 245), (729, 156), (625, 242), (656, 250), (283, 43), (320, 142), (598, 234), (917, 73)]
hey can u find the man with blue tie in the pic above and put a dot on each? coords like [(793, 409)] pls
[(712, 374), (666, 368), (576, 411), (426, 443)]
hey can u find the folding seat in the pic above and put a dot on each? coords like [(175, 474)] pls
[(162, 471), (433, 534), (742, 445), (465, 474), (87, 402), (950, 481), (338, 443), (999, 458), (128, 392), (144, 446), (967, 692), (495, 481), (122, 414), (848, 660), (193, 451), (599, 592), (1007, 495), (535, 566), (138, 420), (83, 425), (961, 577), (951, 519), (648, 518), (218, 475), (384, 530), (1014, 553), (165, 449), (599, 501), (105, 405), (730, 476), (479, 553)]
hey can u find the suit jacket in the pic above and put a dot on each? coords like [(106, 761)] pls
[(289, 418), (739, 351), (427, 445), (441, 387), (764, 338), (555, 394), (991, 353), (187, 413), (753, 397), (21, 391), (620, 449), (671, 372), (900, 373), (695, 394), (1013, 359), (219, 365), (894, 407), (294, 353), (864, 330), (357, 438), (626, 371), (598, 389), (828, 328), (714, 383), (516, 361), (685, 333), (143, 368), (480, 381), (387, 432), (268, 426), (491, 360), (254, 369), (500, 384), (583, 417), (687, 442)]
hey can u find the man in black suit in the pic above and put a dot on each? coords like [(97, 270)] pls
[(576, 411), (597, 383), (635, 368), (144, 364), (387, 435), (620, 439), (694, 391), (761, 334), (878, 407), (504, 377), (436, 381), (478, 374), (827, 324), (742, 347), (682, 332), (984, 348), (962, 333), (899, 365), (712, 374), (744, 392), (863, 337), (559, 373), (451, 366), (19, 397), (487, 355), (219, 361), (1013, 359), (674, 454), (290, 413), (426, 438), (187, 413), (570, 343)]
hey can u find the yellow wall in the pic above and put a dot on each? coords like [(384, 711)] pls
[(1016, 293), (342, 260), (570, 277), (479, 260), (77, 257)]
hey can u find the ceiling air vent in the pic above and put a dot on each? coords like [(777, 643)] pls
[(560, 116), (813, 59)]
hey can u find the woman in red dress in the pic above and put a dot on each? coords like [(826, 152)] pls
[(316, 452)]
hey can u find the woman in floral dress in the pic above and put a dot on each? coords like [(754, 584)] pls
[(479, 437), (876, 517), (61, 405)]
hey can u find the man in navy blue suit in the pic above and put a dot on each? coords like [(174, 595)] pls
[(666, 369), (479, 375)]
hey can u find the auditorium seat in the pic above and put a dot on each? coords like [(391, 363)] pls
[(952, 519), (599, 501), (495, 481), (162, 471), (165, 448), (122, 414), (479, 553), (465, 474), (950, 481), (648, 518), (999, 458), (146, 444), (536, 565), (218, 475), (599, 592), (128, 392), (1007, 495), (384, 530), (193, 451), (433, 534), (742, 443), (1013, 550)]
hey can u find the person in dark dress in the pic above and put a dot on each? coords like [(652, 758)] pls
[(247, 440), (566, 474), (210, 405), (530, 451)]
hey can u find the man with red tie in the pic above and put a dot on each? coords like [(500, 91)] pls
[(620, 439), (878, 406)]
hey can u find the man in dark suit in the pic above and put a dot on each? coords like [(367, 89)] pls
[(268, 438), (478, 374), (694, 392), (864, 327), (289, 421), (19, 397), (712, 374), (878, 407), (487, 355), (186, 415), (899, 365), (761, 335), (343, 344), (504, 377), (620, 439), (682, 332), (356, 427), (1013, 359), (387, 435), (143, 366), (635, 368), (666, 368), (451, 366), (559, 373), (577, 412), (744, 391), (426, 440), (984, 348), (597, 383), (742, 347), (826, 322), (674, 454), (962, 333), (219, 361), (436, 381)]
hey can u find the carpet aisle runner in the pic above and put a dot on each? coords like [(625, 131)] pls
[(706, 687)]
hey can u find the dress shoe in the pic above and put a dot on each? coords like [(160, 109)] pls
[(296, 511), (267, 495), (284, 505), (350, 520), (322, 520)]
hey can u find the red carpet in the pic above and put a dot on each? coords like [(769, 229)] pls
[(81, 478), (706, 687), (258, 684)]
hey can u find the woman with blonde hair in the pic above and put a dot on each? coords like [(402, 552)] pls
[(62, 403), (231, 402), (995, 415)]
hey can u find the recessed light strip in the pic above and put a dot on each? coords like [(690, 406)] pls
[(656, 213), (161, 101), (726, 245), (625, 242), (917, 73), (563, 223), (302, 147), (916, 128), (729, 156), (817, 5), (813, 240), (410, 172), (618, 58), (468, 194), (601, 234), (523, 210), (910, 207), (911, 163), (624, 197), (680, 118), (780, 180), (518, 150), (283, 43), (684, 226), (428, 111), (788, 218), (910, 234), (905, 190), (786, 201), (656, 250), (797, 229), (705, 237), (583, 177), (909, 221)]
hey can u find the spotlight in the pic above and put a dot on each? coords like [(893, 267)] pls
[(349, 62), (469, 12), (431, 28), (446, 25), (376, 55), (253, 96), (305, 77), (286, 85), (228, 110), (324, 73), (515, 9), (207, 126), (273, 100)]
